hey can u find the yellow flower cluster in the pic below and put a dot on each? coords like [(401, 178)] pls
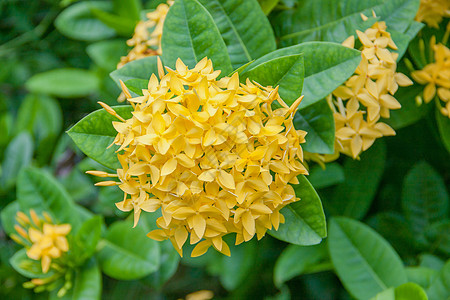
[(436, 77), (43, 239), (212, 154), (143, 42), (372, 87), (432, 12)]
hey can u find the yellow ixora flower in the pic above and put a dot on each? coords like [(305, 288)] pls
[(213, 155), (436, 77), (43, 240), (146, 40), (432, 12), (366, 96)]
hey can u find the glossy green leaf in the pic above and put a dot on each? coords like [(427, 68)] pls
[(18, 155), (424, 198), (78, 22), (332, 174), (64, 83), (127, 253), (305, 221), (440, 286), (311, 21), (354, 196), (88, 282), (106, 54), (191, 34), (365, 263), (8, 214), (244, 28), (138, 69), (26, 266), (444, 129), (268, 5), (318, 121), (327, 65), (295, 260), (94, 133), (407, 291), (38, 190), (287, 72), (421, 275), (410, 112)]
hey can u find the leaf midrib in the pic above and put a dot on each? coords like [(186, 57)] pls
[(241, 42), (294, 34), (364, 260)]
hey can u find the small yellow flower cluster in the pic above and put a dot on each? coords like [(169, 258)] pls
[(372, 86), (43, 239), (212, 154), (143, 42), (433, 11), (436, 77)]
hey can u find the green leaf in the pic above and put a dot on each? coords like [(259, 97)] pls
[(138, 69), (431, 261), (327, 66), (407, 291), (128, 8), (169, 257), (191, 34), (421, 275), (444, 129), (329, 20), (401, 239), (268, 5), (424, 198), (237, 267), (440, 286), (38, 190), (18, 155), (127, 253), (86, 239), (244, 28), (28, 267), (322, 178), (78, 22), (64, 83), (106, 54), (364, 262), (122, 25), (305, 221), (94, 133), (295, 260), (287, 72), (169, 260), (318, 121), (42, 117), (88, 282), (438, 237), (410, 113), (8, 214), (354, 196)]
